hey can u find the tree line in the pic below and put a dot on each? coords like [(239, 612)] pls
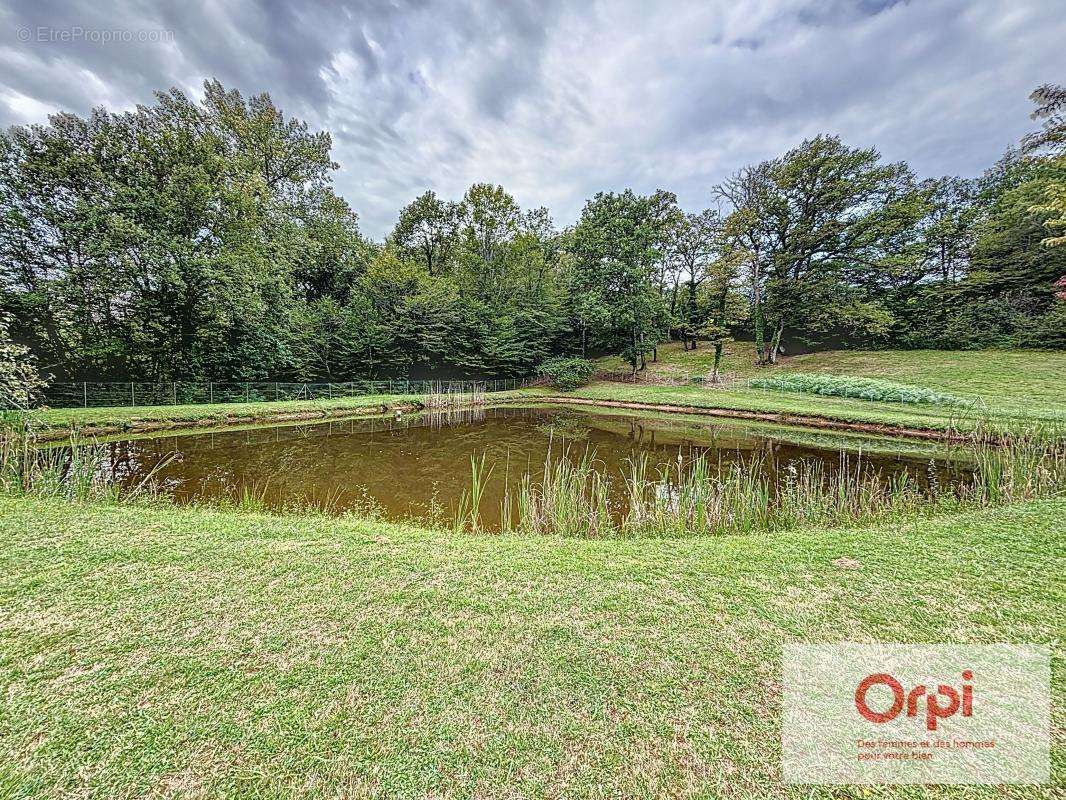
[(203, 239)]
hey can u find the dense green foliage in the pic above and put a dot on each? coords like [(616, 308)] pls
[(190, 240), (567, 373), (851, 386), (203, 240)]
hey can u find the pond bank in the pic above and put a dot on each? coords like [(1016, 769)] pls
[(59, 423), (781, 418), (789, 408)]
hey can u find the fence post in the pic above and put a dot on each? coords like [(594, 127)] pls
[(246, 385), (174, 391), (275, 391), (84, 395), (133, 397), (210, 392), (329, 391)]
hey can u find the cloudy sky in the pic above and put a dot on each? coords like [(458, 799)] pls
[(555, 99)]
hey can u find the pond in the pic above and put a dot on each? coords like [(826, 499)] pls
[(416, 467)]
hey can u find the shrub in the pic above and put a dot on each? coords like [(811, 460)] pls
[(19, 380), (862, 388), (566, 373)]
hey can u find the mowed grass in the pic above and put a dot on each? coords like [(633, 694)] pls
[(131, 417), (785, 406), (188, 652), (1020, 380), (1009, 384)]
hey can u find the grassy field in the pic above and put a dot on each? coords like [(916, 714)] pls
[(1009, 384), (183, 652)]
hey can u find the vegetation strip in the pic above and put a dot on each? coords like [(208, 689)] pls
[(55, 432), (806, 420)]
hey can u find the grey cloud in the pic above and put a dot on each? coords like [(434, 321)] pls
[(557, 100)]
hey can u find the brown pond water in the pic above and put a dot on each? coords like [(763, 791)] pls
[(417, 466)]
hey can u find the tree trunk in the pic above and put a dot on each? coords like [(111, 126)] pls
[(719, 343), (775, 343), (760, 341), (756, 288)]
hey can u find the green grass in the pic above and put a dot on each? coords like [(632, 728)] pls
[(119, 417), (676, 363), (1031, 376), (1009, 385), (1019, 380), (185, 652)]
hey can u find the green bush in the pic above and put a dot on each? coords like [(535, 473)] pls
[(862, 388), (566, 373)]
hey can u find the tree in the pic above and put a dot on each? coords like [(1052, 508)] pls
[(169, 242), (814, 221), (427, 231), (1051, 107), (697, 238), (618, 246), (1008, 261), (490, 221), (747, 191), (725, 305)]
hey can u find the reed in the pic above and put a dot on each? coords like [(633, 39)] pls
[(468, 515), (697, 497), (1029, 462), (76, 472), (454, 395), (572, 498)]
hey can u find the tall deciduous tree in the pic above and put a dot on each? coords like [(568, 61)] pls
[(814, 219), (427, 232), (618, 247), (1051, 108), (694, 245)]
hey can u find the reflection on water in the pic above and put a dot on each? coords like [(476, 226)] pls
[(417, 466)]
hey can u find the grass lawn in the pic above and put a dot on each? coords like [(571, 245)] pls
[(124, 417), (1013, 380), (183, 652), (1010, 383)]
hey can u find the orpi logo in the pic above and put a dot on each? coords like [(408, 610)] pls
[(935, 710)]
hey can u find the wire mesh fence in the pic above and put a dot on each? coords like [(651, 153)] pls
[(86, 394)]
